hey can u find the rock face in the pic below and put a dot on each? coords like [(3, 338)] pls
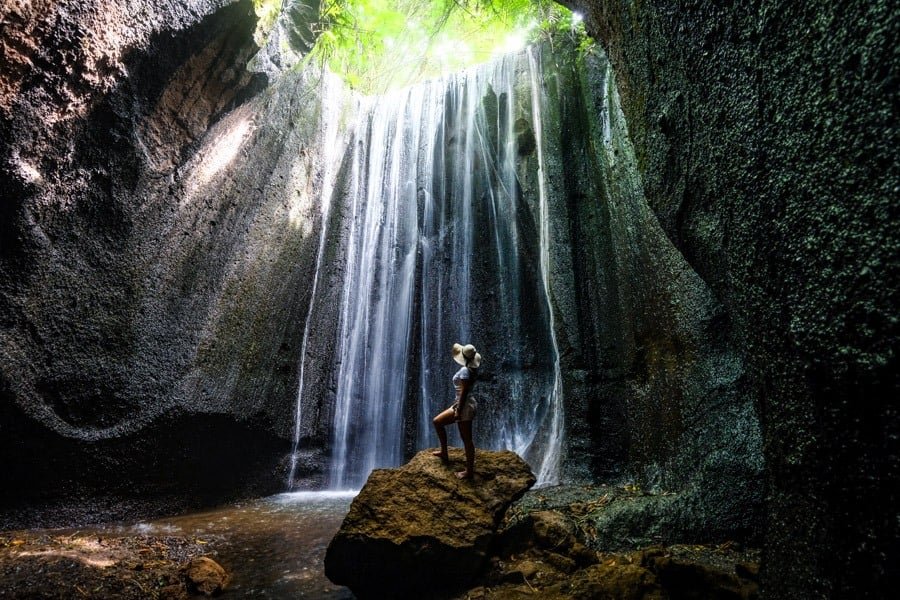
[(655, 385), (416, 530), (158, 242), (546, 548), (765, 136)]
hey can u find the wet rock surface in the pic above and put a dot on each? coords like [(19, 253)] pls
[(416, 530), (655, 384), (548, 547), (765, 135), (138, 257), (205, 576), (45, 565)]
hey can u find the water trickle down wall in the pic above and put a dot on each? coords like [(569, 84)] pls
[(502, 206), (160, 308), (444, 246)]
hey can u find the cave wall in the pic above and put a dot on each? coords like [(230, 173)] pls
[(139, 276), (656, 392), (160, 225), (766, 136)]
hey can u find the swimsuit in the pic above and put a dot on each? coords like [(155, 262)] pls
[(468, 411)]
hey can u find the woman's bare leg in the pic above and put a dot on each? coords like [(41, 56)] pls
[(465, 432), (440, 422)]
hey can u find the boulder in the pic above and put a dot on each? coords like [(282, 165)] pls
[(417, 530), (204, 576)]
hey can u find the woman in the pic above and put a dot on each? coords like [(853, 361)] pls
[(463, 410)]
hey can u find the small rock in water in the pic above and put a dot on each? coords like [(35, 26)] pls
[(417, 529), (205, 576)]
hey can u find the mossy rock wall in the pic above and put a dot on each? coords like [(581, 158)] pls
[(655, 387), (765, 135), (160, 227)]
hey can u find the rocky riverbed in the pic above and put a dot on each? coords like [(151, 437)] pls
[(267, 548), (87, 564), (547, 547), (552, 543), (419, 532)]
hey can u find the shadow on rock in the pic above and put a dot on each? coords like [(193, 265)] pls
[(418, 531)]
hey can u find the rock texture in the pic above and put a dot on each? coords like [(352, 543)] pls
[(418, 530), (655, 385), (153, 278), (546, 549), (204, 576), (765, 134)]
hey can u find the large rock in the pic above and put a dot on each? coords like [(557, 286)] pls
[(418, 527)]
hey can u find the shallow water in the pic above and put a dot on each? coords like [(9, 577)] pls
[(273, 547)]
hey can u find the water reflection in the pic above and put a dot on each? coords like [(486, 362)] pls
[(273, 547)]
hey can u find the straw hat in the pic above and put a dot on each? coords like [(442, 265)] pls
[(462, 353)]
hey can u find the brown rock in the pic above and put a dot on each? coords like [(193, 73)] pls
[(478, 593), (418, 527), (615, 582), (689, 579), (547, 529), (205, 576), (525, 568), (560, 562), (553, 530)]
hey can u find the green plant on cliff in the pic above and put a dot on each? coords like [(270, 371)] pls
[(267, 12), (376, 45)]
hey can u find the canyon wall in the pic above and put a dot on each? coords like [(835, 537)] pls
[(766, 134), (159, 230), (656, 389), (723, 252)]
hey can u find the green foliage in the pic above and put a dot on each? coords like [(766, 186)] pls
[(267, 12), (380, 44)]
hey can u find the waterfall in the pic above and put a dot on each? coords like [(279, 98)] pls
[(332, 92), (378, 298), (549, 465), (445, 220)]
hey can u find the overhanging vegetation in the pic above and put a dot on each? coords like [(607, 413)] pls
[(376, 45)]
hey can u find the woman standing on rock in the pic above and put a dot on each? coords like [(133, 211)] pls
[(463, 410)]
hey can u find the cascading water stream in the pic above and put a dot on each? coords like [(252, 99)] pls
[(445, 213), (376, 322), (549, 468), (331, 103)]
